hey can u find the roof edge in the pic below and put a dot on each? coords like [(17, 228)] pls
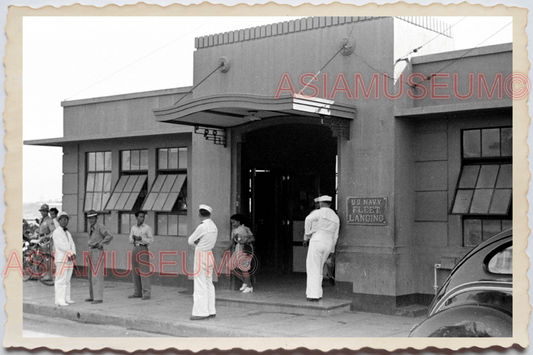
[(130, 96), (310, 23), (453, 108), (277, 29), (61, 141), (469, 52)]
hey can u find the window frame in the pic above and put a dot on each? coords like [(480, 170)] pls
[(128, 194), (143, 153), (483, 228), (178, 215), (503, 158), (128, 183), (482, 157), (132, 221), (106, 179), (166, 167), (476, 190)]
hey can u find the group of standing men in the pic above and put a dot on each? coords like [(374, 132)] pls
[(47, 224), (53, 228), (141, 235), (321, 234)]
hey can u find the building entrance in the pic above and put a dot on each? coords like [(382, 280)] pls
[(284, 168)]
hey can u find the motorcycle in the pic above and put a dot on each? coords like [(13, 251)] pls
[(37, 260)]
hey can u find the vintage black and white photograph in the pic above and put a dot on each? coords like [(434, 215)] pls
[(269, 177)]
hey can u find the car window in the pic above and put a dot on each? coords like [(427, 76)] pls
[(502, 262)]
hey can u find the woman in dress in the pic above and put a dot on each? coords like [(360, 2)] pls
[(241, 259)]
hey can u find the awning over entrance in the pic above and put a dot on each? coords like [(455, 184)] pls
[(230, 110)]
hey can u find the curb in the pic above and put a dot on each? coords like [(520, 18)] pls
[(186, 328)]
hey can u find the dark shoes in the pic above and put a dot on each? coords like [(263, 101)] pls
[(96, 301), (139, 296), (89, 300), (199, 317), (313, 299), (212, 316)]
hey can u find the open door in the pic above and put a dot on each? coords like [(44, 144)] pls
[(283, 169), (304, 188), (267, 188)]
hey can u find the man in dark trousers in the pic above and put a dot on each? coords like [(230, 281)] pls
[(46, 228), (141, 236), (99, 236)]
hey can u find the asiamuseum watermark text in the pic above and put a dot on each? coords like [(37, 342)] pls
[(35, 265), (417, 86)]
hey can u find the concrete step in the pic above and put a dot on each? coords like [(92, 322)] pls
[(412, 311), (282, 302)]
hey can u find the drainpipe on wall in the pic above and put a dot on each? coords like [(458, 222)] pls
[(435, 285)]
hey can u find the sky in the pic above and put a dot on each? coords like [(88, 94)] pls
[(75, 58), (71, 58)]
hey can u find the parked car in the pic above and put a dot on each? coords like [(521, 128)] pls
[(476, 300)]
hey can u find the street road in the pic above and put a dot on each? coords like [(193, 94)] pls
[(36, 326)]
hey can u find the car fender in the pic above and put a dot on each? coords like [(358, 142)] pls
[(466, 321)]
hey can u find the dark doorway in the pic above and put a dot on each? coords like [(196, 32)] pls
[(284, 168)]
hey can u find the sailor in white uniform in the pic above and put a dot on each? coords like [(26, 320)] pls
[(321, 232), (204, 239)]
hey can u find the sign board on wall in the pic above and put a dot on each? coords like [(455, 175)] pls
[(370, 211)]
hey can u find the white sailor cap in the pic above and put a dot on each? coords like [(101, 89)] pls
[(316, 200), (62, 214), (324, 198), (205, 207)]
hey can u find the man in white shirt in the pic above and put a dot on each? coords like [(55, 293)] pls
[(204, 239), (65, 254), (321, 233), (141, 236)]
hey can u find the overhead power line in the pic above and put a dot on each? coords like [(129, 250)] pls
[(429, 77), (379, 71), (464, 55), (195, 86), (138, 60), (437, 36), (315, 77)]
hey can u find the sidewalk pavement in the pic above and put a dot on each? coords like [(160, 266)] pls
[(169, 309)]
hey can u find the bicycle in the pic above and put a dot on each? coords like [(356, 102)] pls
[(37, 260)]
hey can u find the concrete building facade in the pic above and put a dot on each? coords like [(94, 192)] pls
[(417, 152)]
